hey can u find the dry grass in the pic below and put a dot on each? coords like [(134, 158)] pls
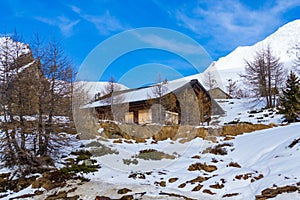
[(218, 149), (159, 132), (102, 150), (172, 180), (273, 192), (197, 188), (240, 128), (233, 164), (200, 166)]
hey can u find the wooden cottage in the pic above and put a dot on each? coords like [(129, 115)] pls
[(218, 93), (175, 102)]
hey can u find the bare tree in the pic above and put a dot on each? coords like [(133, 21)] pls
[(231, 87), (210, 80), (59, 76), (264, 75), (32, 88), (159, 90), (18, 99)]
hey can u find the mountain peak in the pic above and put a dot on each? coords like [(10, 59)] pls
[(282, 42)]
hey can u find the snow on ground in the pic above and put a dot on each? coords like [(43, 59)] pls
[(247, 110), (266, 158), (262, 153)]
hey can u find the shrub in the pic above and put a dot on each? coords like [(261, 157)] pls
[(152, 154), (200, 166), (129, 161), (102, 150), (93, 144), (74, 169), (218, 149), (233, 164), (82, 155)]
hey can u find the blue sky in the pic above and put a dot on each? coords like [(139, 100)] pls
[(219, 26)]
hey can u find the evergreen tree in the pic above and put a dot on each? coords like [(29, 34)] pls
[(290, 101)]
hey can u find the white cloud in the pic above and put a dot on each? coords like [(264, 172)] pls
[(75, 9), (64, 24), (172, 45), (231, 23), (105, 23)]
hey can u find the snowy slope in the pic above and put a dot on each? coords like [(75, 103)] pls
[(264, 156), (282, 42), (267, 158)]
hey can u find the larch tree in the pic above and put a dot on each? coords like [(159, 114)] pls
[(231, 87), (159, 90), (33, 85), (210, 80), (56, 92), (18, 100), (264, 75)]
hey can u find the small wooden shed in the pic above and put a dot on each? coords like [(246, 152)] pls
[(175, 102)]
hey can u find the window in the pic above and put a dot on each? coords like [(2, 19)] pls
[(129, 117), (145, 116)]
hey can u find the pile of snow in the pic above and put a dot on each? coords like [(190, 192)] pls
[(247, 110)]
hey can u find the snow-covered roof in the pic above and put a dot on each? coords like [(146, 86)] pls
[(140, 94)]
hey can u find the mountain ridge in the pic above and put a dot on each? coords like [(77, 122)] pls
[(282, 42)]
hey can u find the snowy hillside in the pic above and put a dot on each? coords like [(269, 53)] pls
[(232, 167), (251, 163), (282, 43), (12, 49)]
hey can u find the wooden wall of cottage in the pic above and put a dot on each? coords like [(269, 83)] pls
[(188, 106)]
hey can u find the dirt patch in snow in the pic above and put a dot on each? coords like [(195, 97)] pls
[(273, 192)]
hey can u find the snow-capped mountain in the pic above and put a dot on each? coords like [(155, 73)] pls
[(10, 50), (282, 43)]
